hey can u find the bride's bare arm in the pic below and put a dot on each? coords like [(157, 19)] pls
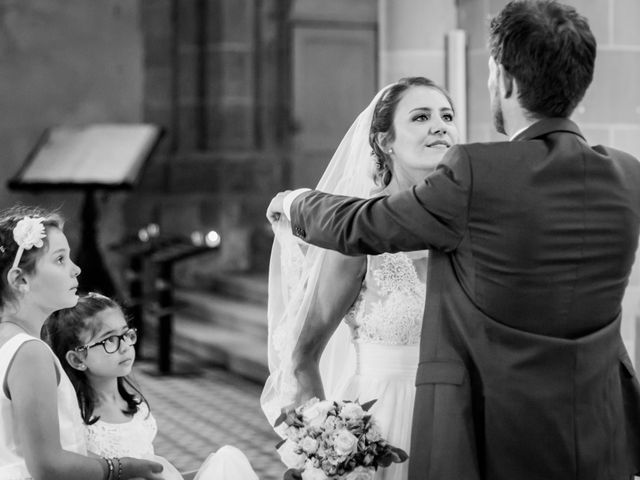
[(338, 285)]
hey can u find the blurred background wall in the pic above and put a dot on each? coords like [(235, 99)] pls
[(67, 62), (254, 95)]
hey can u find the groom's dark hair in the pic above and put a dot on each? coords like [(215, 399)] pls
[(549, 49)]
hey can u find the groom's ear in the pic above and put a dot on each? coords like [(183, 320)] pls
[(507, 81)]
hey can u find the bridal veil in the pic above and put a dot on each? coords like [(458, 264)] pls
[(293, 277)]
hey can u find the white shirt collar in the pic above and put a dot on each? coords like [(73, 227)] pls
[(519, 132)]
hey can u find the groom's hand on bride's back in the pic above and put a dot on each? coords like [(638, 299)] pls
[(276, 207), (292, 474)]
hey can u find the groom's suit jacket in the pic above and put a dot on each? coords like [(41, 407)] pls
[(523, 374)]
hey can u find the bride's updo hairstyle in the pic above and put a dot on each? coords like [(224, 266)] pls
[(382, 122)]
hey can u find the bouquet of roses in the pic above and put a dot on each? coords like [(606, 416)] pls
[(335, 440)]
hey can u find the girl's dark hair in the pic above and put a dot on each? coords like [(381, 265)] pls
[(62, 332), (8, 221), (382, 122)]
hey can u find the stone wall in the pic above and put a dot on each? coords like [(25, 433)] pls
[(66, 62), (215, 79), (212, 73), (216, 74)]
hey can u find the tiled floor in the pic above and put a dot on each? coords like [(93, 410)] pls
[(198, 413)]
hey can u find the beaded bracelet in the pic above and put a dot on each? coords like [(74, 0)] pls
[(109, 475), (119, 468)]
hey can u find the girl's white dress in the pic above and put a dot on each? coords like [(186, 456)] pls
[(386, 322), (135, 439), (72, 436)]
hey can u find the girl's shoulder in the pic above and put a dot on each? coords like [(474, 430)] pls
[(24, 358), (27, 348), (11, 341)]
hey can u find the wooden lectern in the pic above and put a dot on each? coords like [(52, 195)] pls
[(89, 158)]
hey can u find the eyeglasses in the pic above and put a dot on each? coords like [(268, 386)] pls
[(112, 344)]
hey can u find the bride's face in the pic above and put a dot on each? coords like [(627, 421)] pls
[(425, 128)]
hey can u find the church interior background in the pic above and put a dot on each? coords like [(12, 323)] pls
[(253, 96)]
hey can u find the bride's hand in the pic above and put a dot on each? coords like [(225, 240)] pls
[(287, 415), (276, 208)]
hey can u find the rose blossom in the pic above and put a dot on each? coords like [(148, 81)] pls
[(322, 451), (329, 467), (333, 423), (344, 442), (313, 474), (289, 456), (309, 445), (373, 435), (352, 411), (311, 463), (295, 433), (360, 473), (316, 414)]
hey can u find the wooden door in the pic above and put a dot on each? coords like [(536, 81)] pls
[(334, 79)]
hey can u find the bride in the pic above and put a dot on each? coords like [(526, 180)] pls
[(348, 328)]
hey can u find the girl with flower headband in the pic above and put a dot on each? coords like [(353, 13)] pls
[(41, 433), (94, 344)]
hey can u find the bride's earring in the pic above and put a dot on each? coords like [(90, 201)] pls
[(390, 151)]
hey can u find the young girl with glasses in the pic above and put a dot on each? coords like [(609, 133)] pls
[(41, 432), (95, 346)]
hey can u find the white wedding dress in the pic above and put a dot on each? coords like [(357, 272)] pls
[(386, 321), (135, 439)]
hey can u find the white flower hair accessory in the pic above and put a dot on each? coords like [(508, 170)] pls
[(28, 233)]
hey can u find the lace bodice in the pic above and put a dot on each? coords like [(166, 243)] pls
[(130, 439), (390, 305)]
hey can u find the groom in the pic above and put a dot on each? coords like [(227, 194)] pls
[(523, 374)]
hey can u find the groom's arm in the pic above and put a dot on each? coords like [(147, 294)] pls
[(431, 215)]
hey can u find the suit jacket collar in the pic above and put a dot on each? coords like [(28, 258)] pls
[(546, 126)]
